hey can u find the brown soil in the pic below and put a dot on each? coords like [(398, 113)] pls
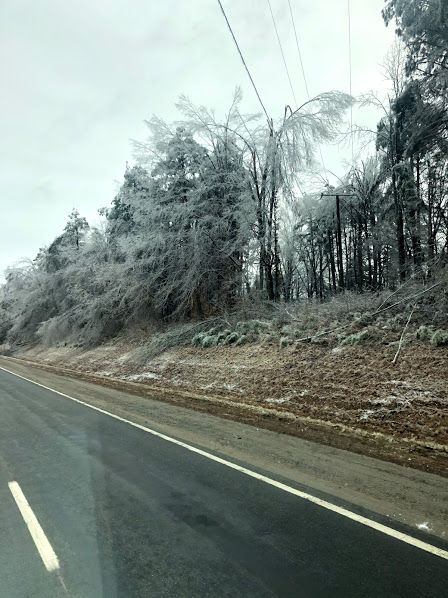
[(351, 397)]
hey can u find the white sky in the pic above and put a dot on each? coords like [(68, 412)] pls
[(78, 78)]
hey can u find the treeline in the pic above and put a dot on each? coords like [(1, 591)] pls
[(213, 212)]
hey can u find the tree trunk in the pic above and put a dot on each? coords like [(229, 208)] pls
[(339, 244), (359, 264), (331, 255), (399, 229)]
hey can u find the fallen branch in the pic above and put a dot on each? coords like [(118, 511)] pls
[(400, 288), (394, 360), (379, 311)]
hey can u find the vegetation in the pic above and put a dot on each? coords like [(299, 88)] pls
[(439, 338), (211, 218)]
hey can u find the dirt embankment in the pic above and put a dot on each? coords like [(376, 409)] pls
[(351, 396)]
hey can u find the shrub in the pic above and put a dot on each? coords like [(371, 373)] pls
[(241, 340), (365, 319), (280, 321), (423, 333), (284, 342), (210, 341), (319, 340), (241, 326), (288, 330), (367, 334), (251, 327), (221, 337), (439, 338), (310, 322), (197, 339), (232, 338), (259, 325)]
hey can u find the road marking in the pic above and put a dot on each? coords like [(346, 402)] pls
[(37, 533), (389, 531)]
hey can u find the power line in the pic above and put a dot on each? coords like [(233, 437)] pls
[(283, 55), (287, 72), (350, 70), (244, 62), (304, 76), (298, 50)]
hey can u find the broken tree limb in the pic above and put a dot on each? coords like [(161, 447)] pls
[(394, 360)]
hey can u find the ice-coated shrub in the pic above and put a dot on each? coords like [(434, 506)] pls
[(365, 319), (210, 341), (221, 337), (423, 333), (241, 340), (439, 338), (251, 327), (232, 338), (197, 339), (358, 338)]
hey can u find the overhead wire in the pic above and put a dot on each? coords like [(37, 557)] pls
[(283, 54), (244, 62), (350, 72), (286, 69), (298, 49), (304, 75)]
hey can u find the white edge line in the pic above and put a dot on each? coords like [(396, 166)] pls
[(43, 546), (309, 497)]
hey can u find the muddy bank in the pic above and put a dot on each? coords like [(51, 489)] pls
[(350, 397)]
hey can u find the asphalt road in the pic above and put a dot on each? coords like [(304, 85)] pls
[(130, 514)]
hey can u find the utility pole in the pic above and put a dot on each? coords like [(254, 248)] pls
[(339, 258)]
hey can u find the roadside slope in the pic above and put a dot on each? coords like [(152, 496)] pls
[(349, 397)]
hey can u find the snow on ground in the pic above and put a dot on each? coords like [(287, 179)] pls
[(225, 386), (387, 401), (126, 357), (285, 400), (141, 377), (366, 414), (424, 526)]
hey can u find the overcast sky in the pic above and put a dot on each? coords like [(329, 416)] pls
[(78, 78)]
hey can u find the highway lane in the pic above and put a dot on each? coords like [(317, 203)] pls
[(130, 514)]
